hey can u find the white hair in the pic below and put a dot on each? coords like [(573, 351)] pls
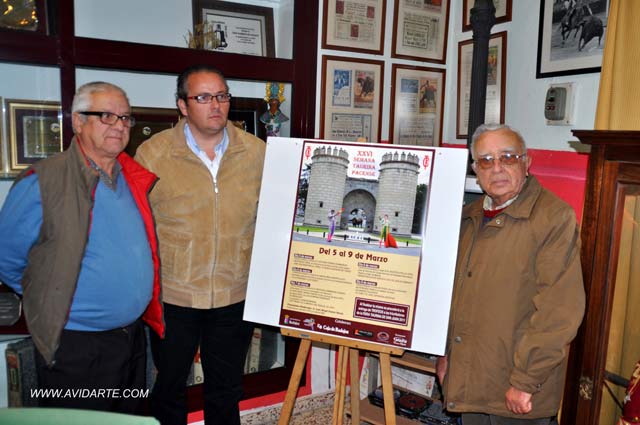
[(83, 97), (485, 128)]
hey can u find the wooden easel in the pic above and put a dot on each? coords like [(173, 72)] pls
[(348, 351)]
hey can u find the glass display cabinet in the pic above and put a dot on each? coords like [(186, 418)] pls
[(608, 343)]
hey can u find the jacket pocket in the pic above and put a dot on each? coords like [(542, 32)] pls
[(175, 256)]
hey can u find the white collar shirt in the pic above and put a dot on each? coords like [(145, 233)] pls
[(212, 164)]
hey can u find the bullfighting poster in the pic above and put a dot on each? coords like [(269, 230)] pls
[(357, 240), (354, 256)]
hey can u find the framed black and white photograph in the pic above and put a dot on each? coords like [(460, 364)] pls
[(354, 25), (35, 132), (503, 12), (417, 100), (420, 30), (351, 102), (234, 27), (571, 36)]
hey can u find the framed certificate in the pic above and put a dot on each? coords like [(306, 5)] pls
[(354, 25), (351, 106), (417, 101), (420, 30), (503, 12), (234, 27), (496, 78), (35, 132)]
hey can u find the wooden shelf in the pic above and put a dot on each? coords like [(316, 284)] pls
[(129, 56), (415, 361), (375, 415), (41, 50)]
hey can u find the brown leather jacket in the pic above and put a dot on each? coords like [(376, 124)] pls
[(206, 236), (517, 304)]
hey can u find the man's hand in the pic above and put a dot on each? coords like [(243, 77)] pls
[(441, 368), (519, 402)]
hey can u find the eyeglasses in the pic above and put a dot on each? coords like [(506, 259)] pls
[(110, 118), (507, 159), (208, 98)]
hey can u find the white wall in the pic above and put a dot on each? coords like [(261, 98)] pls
[(144, 90), (524, 93), (123, 20), (141, 21), (524, 96), (5, 185), (29, 82), (24, 83), (386, 96), (166, 23)]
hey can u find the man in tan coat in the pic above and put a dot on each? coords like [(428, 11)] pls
[(518, 296), (205, 205)]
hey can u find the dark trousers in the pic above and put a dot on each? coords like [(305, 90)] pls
[(96, 371), (224, 340), (484, 419)]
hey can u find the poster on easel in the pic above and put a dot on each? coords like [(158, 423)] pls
[(354, 257), (357, 240)]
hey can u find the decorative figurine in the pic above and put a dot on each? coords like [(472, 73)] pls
[(273, 118)]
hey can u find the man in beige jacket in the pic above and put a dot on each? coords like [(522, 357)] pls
[(205, 205), (518, 296)]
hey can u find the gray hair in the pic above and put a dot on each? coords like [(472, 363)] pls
[(82, 99), (485, 128)]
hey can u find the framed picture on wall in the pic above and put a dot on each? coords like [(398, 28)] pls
[(4, 160), (417, 102), (245, 113), (3, 157), (420, 30), (149, 122), (503, 12), (35, 132), (233, 28), (496, 78), (571, 37), (354, 25), (350, 106), (24, 16)]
